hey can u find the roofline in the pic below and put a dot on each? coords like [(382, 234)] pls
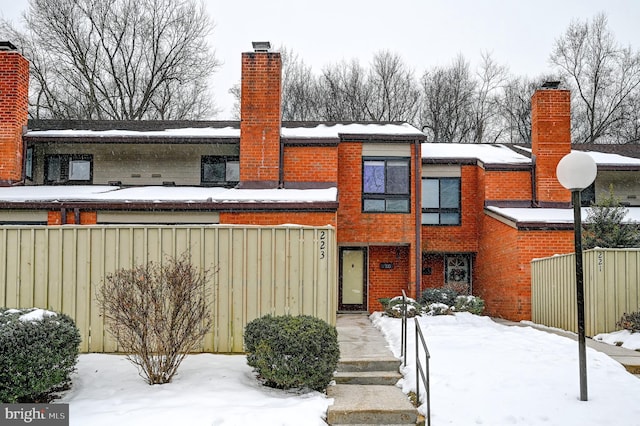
[(217, 206)]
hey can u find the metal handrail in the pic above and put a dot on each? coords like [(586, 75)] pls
[(422, 373), (403, 333)]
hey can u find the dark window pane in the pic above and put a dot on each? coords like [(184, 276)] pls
[(397, 177), (373, 177), (213, 172), (450, 193), (53, 169), (397, 205), (450, 218)]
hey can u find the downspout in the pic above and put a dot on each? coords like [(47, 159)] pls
[(418, 208), (534, 189), (281, 164)]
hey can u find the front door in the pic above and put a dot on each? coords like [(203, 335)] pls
[(352, 291)]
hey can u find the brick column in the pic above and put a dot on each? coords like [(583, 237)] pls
[(550, 141), (14, 101), (260, 119)]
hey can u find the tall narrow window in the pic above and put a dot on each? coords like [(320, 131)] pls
[(441, 201), (385, 185)]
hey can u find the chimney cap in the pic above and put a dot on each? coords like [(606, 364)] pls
[(7, 45), (261, 46), (553, 84)]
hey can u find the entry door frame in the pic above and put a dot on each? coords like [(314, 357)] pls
[(365, 269)]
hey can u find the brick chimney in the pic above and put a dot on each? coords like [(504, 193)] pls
[(14, 101), (550, 141), (260, 118)]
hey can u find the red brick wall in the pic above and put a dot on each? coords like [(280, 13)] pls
[(356, 227), (550, 141), (507, 185), (278, 218), (260, 117), (389, 283), (463, 238), (54, 217), (503, 268), (310, 164), (435, 261), (14, 100)]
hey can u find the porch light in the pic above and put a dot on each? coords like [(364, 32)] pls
[(576, 171)]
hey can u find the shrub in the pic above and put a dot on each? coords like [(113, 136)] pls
[(472, 304), (438, 295), (630, 322), (433, 309), (38, 352), (157, 314), (393, 307), (292, 352)]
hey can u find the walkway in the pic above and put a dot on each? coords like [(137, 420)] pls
[(365, 391)]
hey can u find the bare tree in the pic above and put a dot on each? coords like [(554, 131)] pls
[(394, 92), (117, 59), (447, 101), (344, 92), (603, 75), (491, 78), (299, 89)]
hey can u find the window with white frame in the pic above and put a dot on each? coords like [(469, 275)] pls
[(386, 185)]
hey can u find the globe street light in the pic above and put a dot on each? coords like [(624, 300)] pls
[(576, 171)]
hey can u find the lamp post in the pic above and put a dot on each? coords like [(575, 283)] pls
[(576, 171)]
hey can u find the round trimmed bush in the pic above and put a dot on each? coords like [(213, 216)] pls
[(38, 352), (292, 352)]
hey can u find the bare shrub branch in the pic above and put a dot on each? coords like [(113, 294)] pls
[(157, 314)]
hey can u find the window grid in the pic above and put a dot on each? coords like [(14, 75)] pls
[(386, 185), (441, 201)]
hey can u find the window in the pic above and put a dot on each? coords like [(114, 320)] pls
[(441, 201), (68, 169), (385, 185), (28, 164), (219, 170)]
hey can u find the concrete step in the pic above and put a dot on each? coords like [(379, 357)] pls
[(379, 364), (367, 377), (369, 405)]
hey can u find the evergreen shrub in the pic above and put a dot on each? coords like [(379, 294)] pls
[(290, 352), (630, 322), (38, 352)]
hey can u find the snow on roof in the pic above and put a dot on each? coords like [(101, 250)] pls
[(320, 131), (335, 130), (554, 216), (163, 194), (487, 153), (211, 132), (607, 159), (501, 154)]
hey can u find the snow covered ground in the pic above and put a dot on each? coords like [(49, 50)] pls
[(482, 373)]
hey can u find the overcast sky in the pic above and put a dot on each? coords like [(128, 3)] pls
[(425, 33)]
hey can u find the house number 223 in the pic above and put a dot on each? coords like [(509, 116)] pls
[(323, 244)]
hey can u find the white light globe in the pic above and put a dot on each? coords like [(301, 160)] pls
[(576, 171)]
